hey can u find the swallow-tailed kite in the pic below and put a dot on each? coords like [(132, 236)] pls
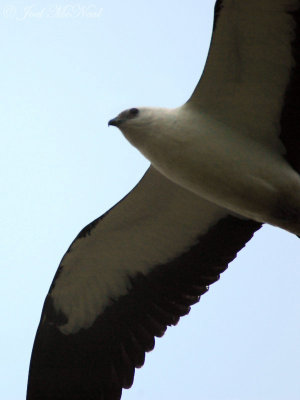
[(222, 164)]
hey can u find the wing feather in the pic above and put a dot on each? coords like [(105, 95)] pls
[(249, 67), (95, 356)]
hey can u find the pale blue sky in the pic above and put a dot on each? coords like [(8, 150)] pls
[(66, 69)]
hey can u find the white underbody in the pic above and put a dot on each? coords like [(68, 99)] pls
[(226, 167), (223, 143)]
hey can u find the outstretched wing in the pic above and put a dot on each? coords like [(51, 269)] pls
[(125, 278), (251, 81)]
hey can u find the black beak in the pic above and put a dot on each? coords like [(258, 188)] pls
[(115, 122)]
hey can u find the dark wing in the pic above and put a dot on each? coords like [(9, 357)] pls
[(290, 115), (251, 80), (125, 278)]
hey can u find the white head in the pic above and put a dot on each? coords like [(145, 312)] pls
[(155, 132), (139, 125)]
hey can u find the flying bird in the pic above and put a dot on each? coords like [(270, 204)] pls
[(222, 164)]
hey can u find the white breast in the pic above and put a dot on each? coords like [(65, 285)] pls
[(221, 164)]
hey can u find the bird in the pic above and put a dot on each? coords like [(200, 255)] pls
[(222, 164)]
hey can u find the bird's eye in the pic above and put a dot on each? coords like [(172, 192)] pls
[(133, 112)]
